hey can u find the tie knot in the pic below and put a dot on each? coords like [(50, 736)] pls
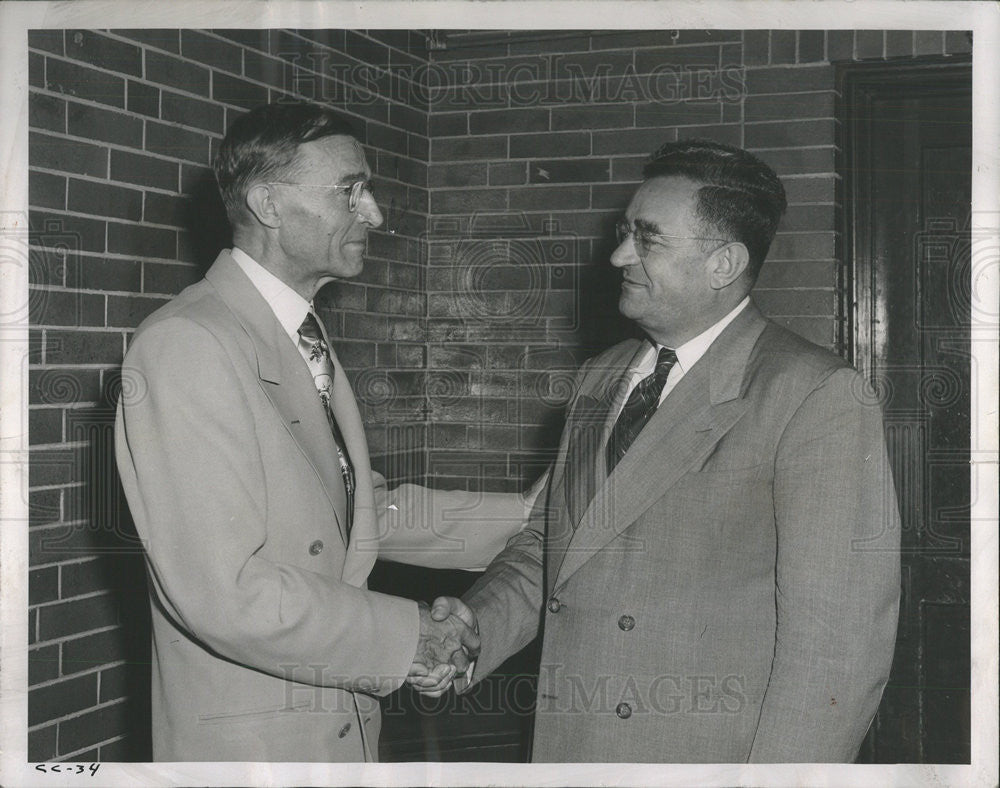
[(310, 328), (665, 359)]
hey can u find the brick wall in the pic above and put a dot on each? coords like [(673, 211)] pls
[(545, 134), (123, 125)]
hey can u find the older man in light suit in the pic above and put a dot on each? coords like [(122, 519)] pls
[(714, 560), (244, 461)]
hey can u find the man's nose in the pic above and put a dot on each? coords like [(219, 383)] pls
[(368, 210), (624, 254)]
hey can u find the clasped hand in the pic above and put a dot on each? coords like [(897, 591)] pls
[(448, 640)]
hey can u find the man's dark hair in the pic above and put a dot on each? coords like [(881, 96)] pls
[(262, 143), (740, 198)]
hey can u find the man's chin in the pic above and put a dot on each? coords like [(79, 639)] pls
[(352, 263), (344, 272), (354, 257), (627, 305)]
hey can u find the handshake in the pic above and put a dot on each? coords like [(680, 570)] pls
[(448, 641)]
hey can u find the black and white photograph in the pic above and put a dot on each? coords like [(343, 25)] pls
[(527, 393)]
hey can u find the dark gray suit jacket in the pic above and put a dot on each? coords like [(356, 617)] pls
[(730, 592)]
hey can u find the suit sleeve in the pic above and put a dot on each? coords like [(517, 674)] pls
[(507, 599), (448, 529), (836, 579), (191, 465)]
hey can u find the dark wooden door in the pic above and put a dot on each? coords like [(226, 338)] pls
[(908, 204)]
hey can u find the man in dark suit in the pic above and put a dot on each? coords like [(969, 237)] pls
[(714, 560), (242, 454)]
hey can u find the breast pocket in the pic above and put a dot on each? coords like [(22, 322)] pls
[(728, 493)]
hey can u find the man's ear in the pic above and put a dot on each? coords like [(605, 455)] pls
[(728, 264), (260, 202)]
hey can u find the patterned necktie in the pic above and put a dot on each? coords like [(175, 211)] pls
[(639, 408), (317, 356)]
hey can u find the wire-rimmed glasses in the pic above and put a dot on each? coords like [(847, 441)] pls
[(643, 239), (354, 190)]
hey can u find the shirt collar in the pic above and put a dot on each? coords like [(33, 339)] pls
[(288, 306), (695, 348)]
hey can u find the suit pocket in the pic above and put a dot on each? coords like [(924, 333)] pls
[(730, 476), (727, 493), (254, 715)]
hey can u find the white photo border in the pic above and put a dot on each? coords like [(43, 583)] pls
[(16, 18)]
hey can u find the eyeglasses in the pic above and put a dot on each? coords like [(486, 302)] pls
[(354, 190), (643, 239)]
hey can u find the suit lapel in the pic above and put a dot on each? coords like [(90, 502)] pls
[(589, 425), (699, 411), (593, 417), (585, 428), (284, 377)]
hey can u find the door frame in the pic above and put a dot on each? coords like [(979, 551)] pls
[(856, 83)]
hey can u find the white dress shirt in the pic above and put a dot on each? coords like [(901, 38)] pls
[(687, 355)]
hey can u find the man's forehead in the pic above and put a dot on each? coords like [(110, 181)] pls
[(338, 155), (663, 201)]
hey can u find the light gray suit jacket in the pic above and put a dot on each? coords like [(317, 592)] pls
[(730, 592), (267, 646)]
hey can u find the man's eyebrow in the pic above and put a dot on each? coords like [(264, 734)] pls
[(354, 177), (649, 227)]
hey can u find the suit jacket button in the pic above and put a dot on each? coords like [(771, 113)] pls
[(623, 710), (554, 605), (344, 730), (316, 547), (625, 623)]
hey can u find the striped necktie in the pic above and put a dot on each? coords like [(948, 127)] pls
[(317, 355), (639, 408)]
